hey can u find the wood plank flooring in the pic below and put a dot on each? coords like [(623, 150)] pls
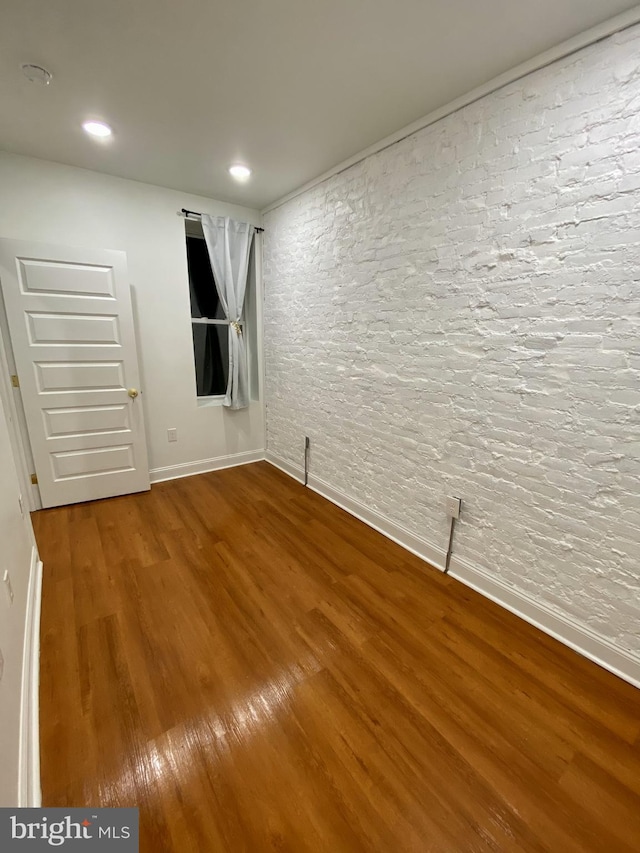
[(258, 671)]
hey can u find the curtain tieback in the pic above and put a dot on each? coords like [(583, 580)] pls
[(237, 327)]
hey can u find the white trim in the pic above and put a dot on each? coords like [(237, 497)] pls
[(16, 422), (206, 321), (287, 467), (422, 548), (29, 793), (427, 551), (578, 637), (211, 400), (203, 466), (560, 51)]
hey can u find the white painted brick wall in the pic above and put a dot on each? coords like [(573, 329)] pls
[(460, 314)]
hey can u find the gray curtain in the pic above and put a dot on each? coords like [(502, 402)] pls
[(229, 245)]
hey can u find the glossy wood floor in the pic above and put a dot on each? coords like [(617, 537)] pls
[(258, 671)]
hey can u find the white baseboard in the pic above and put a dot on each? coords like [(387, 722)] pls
[(292, 470), (420, 547), (29, 793), (203, 466), (578, 637)]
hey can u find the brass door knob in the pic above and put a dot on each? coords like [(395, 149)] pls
[(133, 393)]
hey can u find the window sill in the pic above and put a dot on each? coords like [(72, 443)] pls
[(210, 401)]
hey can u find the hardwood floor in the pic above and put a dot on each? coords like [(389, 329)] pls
[(258, 671)]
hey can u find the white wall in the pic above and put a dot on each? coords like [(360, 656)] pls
[(51, 203), (16, 542), (460, 314)]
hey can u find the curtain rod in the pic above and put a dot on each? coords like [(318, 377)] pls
[(194, 215)]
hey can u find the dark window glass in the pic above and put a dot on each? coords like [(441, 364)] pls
[(211, 350), (210, 341), (204, 296)]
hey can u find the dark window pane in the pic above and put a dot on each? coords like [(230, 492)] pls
[(204, 297), (211, 350)]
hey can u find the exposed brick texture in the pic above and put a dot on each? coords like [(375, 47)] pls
[(460, 314)]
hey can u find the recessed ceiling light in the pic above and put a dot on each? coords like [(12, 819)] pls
[(239, 172), (97, 128), (36, 74)]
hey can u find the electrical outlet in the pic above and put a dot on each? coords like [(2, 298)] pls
[(454, 506), (172, 434), (7, 583)]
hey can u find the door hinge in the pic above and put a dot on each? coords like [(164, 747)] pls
[(34, 479), (15, 382)]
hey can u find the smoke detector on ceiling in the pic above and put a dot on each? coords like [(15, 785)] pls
[(37, 74)]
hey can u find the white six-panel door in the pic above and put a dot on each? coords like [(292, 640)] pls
[(71, 324)]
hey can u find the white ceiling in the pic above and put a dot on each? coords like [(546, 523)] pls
[(291, 87)]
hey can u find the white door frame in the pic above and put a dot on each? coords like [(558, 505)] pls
[(16, 424)]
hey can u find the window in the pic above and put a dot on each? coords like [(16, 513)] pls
[(209, 328)]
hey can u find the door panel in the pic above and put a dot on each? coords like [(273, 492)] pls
[(65, 278), (55, 376), (71, 329), (86, 420), (71, 324), (93, 462)]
